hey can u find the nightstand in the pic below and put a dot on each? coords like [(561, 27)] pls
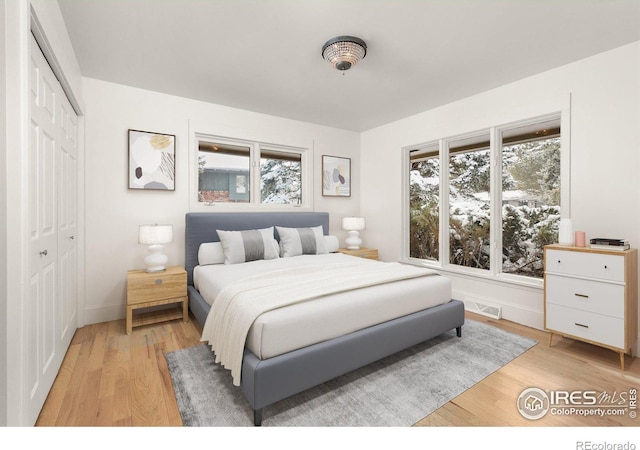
[(147, 289), (362, 252)]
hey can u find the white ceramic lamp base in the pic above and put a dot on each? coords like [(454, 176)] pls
[(353, 241), (156, 260)]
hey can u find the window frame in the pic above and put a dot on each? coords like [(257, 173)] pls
[(564, 190), (445, 159), (495, 136), (282, 150), (255, 149), (429, 150)]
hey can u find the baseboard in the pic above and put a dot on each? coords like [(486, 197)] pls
[(515, 313), (104, 314)]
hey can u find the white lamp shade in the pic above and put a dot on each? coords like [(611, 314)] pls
[(353, 223), (155, 234)]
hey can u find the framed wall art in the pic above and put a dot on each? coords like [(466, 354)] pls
[(336, 176), (152, 159)]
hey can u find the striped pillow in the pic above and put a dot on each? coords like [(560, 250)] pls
[(247, 245), (301, 241)]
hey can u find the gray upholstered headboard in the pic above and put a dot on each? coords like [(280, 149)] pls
[(201, 227)]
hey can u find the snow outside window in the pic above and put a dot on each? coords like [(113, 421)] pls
[(251, 173), (496, 204)]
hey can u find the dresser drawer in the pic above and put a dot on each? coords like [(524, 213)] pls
[(143, 287), (585, 325), (598, 297), (583, 264)]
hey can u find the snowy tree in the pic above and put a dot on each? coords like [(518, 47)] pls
[(469, 215), (280, 181), (534, 168), (530, 210), (424, 200)]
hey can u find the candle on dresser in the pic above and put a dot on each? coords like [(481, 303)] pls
[(565, 232), (580, 238)]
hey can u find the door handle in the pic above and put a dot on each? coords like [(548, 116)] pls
[(43, 253)]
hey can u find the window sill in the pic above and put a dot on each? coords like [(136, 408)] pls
[(246, 207), (520, 281)]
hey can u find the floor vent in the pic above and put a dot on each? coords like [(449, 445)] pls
[(487, 310)]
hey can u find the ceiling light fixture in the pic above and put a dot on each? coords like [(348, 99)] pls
[(342, 52)]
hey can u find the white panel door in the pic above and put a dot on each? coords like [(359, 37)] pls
[(51, 310), (67, 221)]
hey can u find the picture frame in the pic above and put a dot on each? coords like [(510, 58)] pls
[(336, 176), (152, 159)]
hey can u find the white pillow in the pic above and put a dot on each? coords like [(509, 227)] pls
[(247, 245), (210, 253), (332, 243), (301, 241)]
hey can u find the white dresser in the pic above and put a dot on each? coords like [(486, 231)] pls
[(592, 295)]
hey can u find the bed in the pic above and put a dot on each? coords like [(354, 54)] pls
[(285, 351)]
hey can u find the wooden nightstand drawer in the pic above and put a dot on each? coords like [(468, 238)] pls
[(592, 296), (146, 290), (143, 286)]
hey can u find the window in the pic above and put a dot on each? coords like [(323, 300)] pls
[(530, 196), (424, 201), (223, 173), (250, 173), (495, 205), (469, 202), (280, 177)]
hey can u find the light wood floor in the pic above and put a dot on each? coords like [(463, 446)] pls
[(109, 378)]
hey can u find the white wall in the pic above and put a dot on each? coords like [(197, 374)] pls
[(113, 212), (605, 158), (3, 223)]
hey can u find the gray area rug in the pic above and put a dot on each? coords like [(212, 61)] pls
[(398, 390)]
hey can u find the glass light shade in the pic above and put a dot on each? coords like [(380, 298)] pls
[(343, 52), (155, 234), (353, 223)]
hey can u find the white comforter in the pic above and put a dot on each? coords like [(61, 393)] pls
[(238, 305)]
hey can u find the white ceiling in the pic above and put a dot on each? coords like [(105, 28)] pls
[(264, 55)]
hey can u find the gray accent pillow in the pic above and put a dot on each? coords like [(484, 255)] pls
[(247, 245), (301, 241)]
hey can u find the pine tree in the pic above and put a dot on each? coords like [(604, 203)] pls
[(280, 181)]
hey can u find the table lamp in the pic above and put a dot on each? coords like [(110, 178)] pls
[(155, 236), (353, 225)]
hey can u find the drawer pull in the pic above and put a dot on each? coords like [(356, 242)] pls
[(159, 281), (581, 295), (581, 325)]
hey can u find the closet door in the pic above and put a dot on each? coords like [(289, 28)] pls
[(67, 221), (51, 310)]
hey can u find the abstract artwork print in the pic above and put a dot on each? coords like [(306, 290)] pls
[(151, 160)]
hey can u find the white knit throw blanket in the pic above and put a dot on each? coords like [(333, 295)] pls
[(237, 306)]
